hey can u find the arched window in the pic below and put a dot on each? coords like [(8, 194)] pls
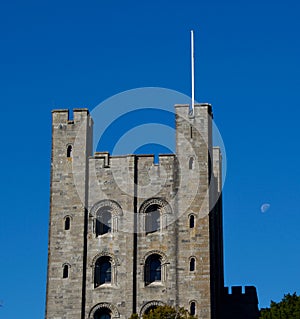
[(152, 221), (102, 313), (192, 221), (103, 221), (191, 163), (66, 271), (153, 269), (67, 223), (192, 308), (69, 151), (102, 273), (192, 264)]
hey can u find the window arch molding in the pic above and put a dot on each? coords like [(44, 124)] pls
[(114, 209), (66, 264), (164, 210), (106, 256), (114, 261), (163, 265), (164, 259), (162, 203), (105, 306), (149, 305)]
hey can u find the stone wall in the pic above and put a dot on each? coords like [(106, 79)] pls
[(181, 186)]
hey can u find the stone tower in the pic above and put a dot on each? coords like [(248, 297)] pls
[(126, 234), (68, 214)]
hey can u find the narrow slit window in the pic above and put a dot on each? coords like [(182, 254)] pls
[(67, 223), (193, 309), (66, 271), (191, 131), (192, 221), (191, 163), (192, 264), (69, 151)]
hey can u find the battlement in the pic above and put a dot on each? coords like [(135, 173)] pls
[(62, 116), (239, 304), (198, 108), (144, 159), (238, 296)]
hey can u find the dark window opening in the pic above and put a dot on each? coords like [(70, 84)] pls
[(66, 271), (191, 131), (191, 163), (192, 221), (152, 219), (102, 313), (67, 223), (192, 264), (102, 271), (69, 151), (103, 221), (153, 269), (193, 309)]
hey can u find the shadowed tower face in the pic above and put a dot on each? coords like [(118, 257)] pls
[(117, 247)]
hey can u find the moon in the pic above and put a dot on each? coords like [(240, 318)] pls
[(265, 207)]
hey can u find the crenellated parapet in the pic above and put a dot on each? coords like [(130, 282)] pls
[(240, 304)]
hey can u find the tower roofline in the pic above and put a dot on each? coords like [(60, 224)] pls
[(196, 105)]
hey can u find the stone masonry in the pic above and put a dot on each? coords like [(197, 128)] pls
[(104, 259)]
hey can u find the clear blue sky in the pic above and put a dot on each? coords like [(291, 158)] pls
[(65, 54)]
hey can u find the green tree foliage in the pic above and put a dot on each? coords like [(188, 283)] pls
[(165, 312), (287, 308)]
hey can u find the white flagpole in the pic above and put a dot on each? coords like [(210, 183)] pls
[(193, 70)]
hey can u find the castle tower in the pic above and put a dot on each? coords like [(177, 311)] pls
[(126, 234), (198, 230), (71, 146)]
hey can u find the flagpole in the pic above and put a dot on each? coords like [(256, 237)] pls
[(193, 71)]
